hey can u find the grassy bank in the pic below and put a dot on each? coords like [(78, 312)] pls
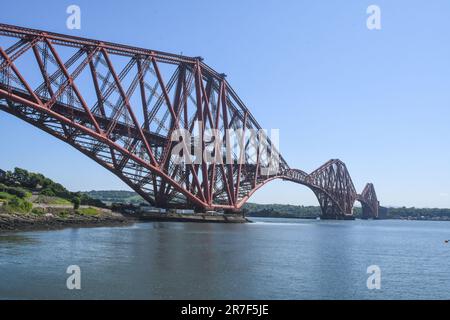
[(30, 201), (55, 218)]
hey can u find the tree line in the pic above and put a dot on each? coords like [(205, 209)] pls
[(21, 182)]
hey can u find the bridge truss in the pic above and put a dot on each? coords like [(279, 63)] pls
[(120, 106)]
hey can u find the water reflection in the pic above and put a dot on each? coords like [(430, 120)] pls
[(269, 259), (15, 239)]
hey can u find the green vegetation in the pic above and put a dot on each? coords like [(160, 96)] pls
[(88, 211), (38, 211), (21, 179), (76, 203), (290, 211), (280, 210), (19, 189), (15, 191), (51, 200), (4, 196), (112, 196), (418, 213), (64, 214), (18, 205), (14, 200)]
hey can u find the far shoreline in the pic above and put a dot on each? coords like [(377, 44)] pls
[(356, 218), (12, 223)]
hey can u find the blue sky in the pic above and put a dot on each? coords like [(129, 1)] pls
[(378, 100)]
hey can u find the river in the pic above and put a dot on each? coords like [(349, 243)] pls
[(268, 259)]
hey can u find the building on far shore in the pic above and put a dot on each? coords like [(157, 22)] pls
[(2, 174)]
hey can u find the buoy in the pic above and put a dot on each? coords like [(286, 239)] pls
[(446, 241)]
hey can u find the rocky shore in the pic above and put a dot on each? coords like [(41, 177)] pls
[(55, 218), (31, 201), (51, 221)]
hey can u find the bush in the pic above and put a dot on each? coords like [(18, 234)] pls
[(19, 192), (48, 192), (5, 196), (38, 211), (17, 205), (88, 211), (64, 214), (13, 182), (15, 191), (76, 203)]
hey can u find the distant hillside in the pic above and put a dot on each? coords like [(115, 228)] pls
[(22, 191), (285, 210), (280, 210), (116, 196)]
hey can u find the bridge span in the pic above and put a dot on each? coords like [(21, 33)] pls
[(120, 106)]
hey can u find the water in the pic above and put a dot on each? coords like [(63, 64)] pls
[(269, 259)]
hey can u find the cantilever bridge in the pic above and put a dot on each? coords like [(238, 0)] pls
[(119, 105)]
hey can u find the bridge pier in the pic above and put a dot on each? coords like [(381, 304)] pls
[(337, 217), (366, 212), (369, 202), (331, 211)]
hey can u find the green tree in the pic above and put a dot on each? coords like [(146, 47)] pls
[(76, 203)]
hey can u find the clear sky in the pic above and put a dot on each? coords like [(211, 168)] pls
[(377, 99)]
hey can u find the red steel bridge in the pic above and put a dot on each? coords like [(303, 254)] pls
[(119, 105)]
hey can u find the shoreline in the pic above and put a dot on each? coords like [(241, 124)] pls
[(29, 222), (23, 223), (356, 218), (20, 222)]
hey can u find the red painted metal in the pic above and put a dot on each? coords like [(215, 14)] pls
[(369, 202), (119, 105)]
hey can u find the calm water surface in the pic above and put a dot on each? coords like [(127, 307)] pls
[(269, 259)]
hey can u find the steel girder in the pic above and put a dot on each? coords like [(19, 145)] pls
[(120, 105), (369, 202), (333, 187)]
